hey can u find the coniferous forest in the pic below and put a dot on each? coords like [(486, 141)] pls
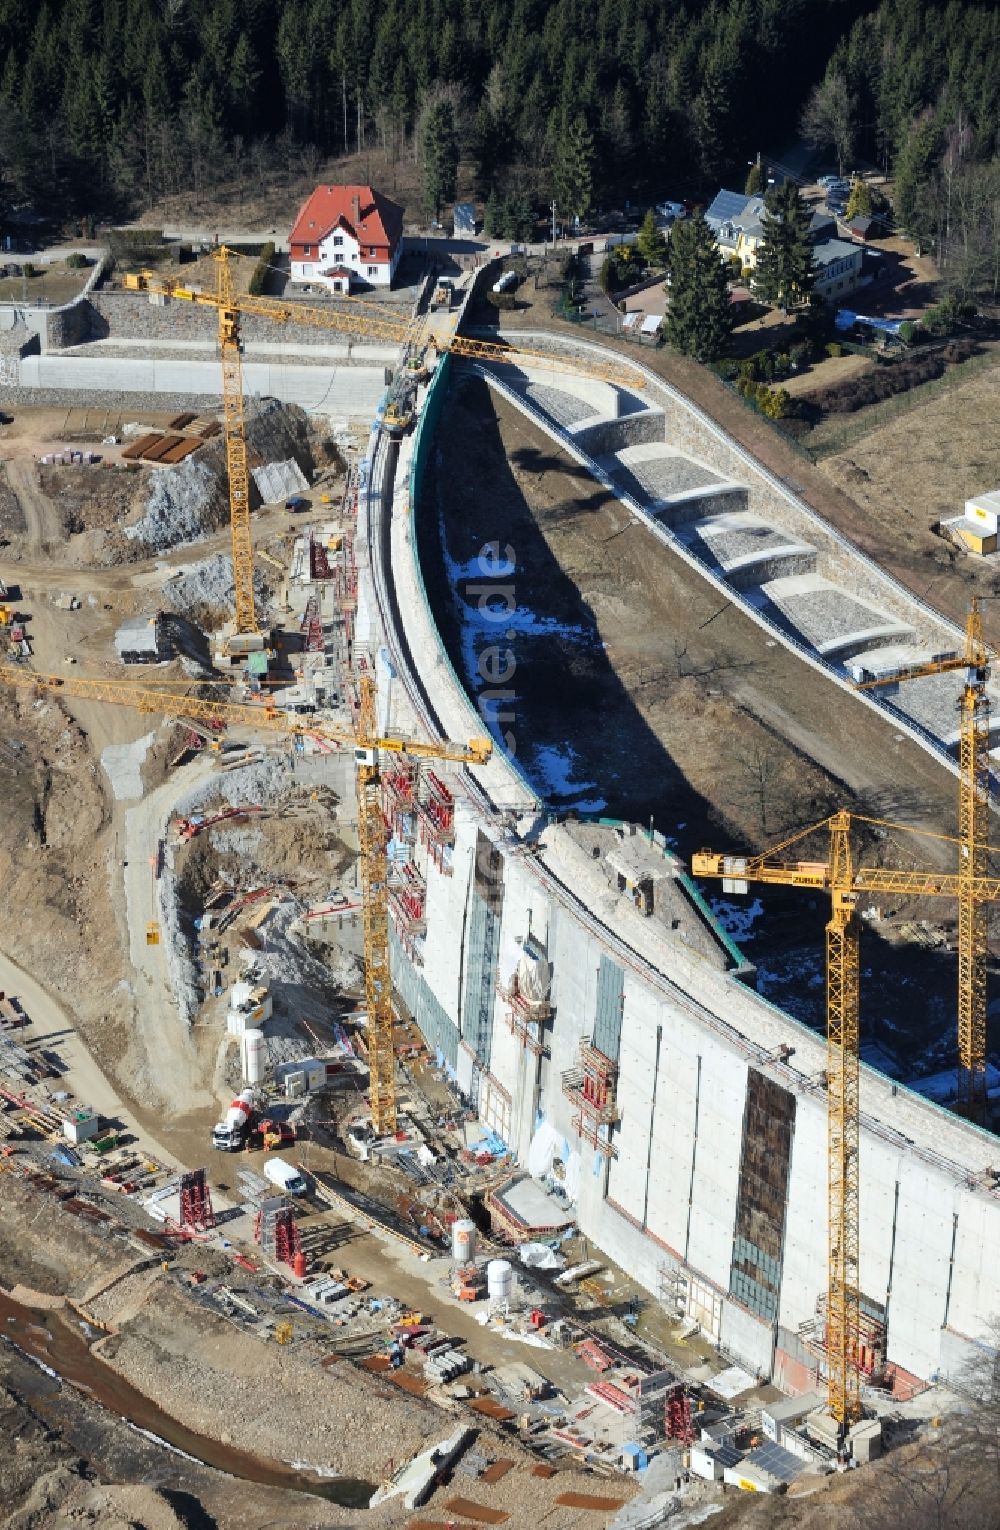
[(108, 105)]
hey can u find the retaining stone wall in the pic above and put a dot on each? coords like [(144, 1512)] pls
[(721, 502), (610, 436), (685, 431), (132, 316), (748, 576)]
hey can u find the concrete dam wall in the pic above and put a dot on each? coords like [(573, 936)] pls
[(702, 1167)]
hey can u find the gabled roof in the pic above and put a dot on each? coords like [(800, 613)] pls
[(380, 221), (727, 207), (751, 219)]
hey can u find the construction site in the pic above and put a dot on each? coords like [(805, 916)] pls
[(378, 1035)]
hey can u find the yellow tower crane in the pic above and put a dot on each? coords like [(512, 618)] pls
[(846, 882), (367, 743), (354, 318), (973, 833)]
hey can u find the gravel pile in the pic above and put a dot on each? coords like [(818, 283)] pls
[(286, 960), (216, 1379)]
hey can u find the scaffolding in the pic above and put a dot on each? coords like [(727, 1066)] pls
[(868, 1354), (319, 560), (436, 815), (311, 626), (197, 1214), (399, 795), (678, 1423), (276, 1230), (591, 1089), (525, 1016), (407, 897)]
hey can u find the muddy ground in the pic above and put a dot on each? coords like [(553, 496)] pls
[(679, 709), (209, 1379)]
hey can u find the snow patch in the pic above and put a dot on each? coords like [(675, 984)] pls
[(551, 770), (736, 919)]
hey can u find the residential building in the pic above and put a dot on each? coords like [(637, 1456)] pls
[(737, 222), (346, 237), (838, 266)]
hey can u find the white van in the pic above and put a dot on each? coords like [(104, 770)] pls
[(284, 1176)]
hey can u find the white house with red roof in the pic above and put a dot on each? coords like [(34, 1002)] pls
[(346, 236)]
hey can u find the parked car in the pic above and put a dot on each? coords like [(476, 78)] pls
[(296, 504), (671, 209)]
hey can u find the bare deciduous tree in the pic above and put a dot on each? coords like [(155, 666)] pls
[(828, 117)]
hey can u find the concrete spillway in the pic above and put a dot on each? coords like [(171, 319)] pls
[(683, 1116)]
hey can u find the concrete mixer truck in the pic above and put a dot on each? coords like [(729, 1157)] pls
[(230, 1134)]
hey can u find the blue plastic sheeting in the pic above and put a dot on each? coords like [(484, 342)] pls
[(846, 319)]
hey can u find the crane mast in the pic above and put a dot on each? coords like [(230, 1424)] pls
[(843, 1304), (973, 834), (236, 451), (846, 882), (375, 906)]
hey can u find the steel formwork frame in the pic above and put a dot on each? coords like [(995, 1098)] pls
[(592, 1088), (436, 819), (399, 788), (196, 1202)]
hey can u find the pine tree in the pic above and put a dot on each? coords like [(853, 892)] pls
[(710, 123), (439, 151), (785, 271), (491, 215), (754, 181), (574, 169), (699, 313), (652, 245), (914, 171)]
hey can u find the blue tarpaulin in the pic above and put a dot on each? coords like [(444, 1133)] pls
[(846, 319)]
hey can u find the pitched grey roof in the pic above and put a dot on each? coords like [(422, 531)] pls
[(727, 207)]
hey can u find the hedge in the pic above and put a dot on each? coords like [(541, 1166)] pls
[(886, 380), (262, 270)]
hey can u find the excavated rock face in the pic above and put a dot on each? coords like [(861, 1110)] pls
[(188, 501)]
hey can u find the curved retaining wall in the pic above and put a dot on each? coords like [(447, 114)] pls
[(679, 1193)]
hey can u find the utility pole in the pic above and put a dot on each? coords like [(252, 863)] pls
[(553, 220)]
